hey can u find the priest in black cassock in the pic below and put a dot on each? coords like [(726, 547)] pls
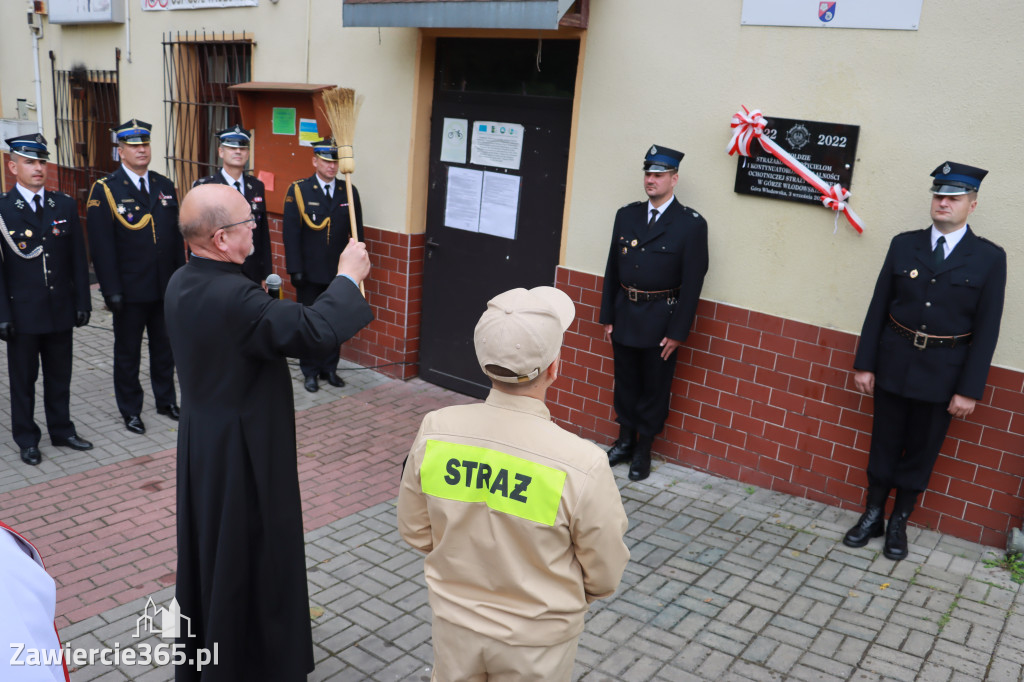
[(241, 559)]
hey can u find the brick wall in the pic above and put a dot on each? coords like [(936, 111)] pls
[(770, 401), (391, 343)]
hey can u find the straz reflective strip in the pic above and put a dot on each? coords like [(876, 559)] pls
[(504, 483)]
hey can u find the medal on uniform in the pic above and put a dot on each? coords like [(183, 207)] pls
[(254, 207), (56, 231), (633, 243), (624, 250), (913, 274), (121, 209), (28, 233), (22, 245), (163, 202), (314, 217), (130, 217)]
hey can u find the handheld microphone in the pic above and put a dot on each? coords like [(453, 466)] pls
[(274, 285)]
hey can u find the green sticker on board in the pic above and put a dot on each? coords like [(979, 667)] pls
[(284, 121)]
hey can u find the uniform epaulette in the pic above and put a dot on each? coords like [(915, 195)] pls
[(992, 243), (634, 203)]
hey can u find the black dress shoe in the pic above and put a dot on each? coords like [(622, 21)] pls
[(31, 455), (640, 467), (73, 442), (310, 384), (333, 379), (895, 547), (621, 451), (133, 423), (870, 525), (171, 411)]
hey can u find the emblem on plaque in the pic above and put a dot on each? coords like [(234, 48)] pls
[(913, 274), (798, 136), (827, 11)]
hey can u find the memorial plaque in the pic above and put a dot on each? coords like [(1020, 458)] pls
[(827, 149)]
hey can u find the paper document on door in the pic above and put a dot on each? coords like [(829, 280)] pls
[(454, 139), (462, 203), (499, 205), (497, 144)]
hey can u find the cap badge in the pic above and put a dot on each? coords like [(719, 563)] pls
[(39, 138), (946, 169), (654, 150)]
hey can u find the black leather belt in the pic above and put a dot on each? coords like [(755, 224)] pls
[(922, 340), (636, 295)]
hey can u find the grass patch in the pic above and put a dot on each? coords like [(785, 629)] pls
[(1012, 563)]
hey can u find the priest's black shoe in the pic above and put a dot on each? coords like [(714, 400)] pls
[(133, 423), (172, 411), (73, 442), (310, 384), (333, 379), (871, 523), (31, 455)]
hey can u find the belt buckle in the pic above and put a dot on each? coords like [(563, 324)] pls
[(632, 293), (920, 340)]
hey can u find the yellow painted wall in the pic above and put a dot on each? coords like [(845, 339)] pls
[(676, 73), (668, 72)]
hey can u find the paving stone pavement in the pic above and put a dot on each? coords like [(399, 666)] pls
[(726, 581)]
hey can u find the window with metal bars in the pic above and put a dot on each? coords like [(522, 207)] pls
[(198, 70), (85, 110)]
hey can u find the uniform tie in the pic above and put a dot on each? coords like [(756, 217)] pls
[(38, 201), (238, 187), (327, 192), (939, 254), (654, 217), (142, 188)]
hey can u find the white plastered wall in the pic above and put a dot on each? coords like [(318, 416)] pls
[(377, 64)]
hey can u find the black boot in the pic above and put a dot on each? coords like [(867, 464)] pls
[(640, 468), (896, 531), (622, 449), (872, 522)]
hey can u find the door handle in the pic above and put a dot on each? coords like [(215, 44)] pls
[(431, 243)]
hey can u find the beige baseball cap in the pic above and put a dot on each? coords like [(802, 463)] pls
[(521, 332)]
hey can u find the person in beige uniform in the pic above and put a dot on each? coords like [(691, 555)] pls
[(521, 521)]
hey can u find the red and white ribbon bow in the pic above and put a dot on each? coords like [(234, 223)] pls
[(748, 125)]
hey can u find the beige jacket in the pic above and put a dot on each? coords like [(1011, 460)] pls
[(521, 521)]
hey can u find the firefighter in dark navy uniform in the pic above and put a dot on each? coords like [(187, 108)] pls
[(315, 230), (233, 149), (925, 349), (44, 294), (652, 283), (132, 220)]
